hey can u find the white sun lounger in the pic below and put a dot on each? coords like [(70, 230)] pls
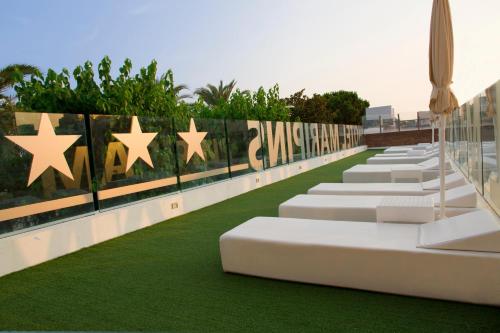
[(404, 149), (432, 186), (405, 154), (381, 173), (364, 207), (409, 153), (403, 259), (410, 159)]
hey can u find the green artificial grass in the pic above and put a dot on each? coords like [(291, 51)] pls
[(168, 277)]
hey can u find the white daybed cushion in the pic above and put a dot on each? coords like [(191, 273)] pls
[(363, 207), (397, 150), (414, 189), (417, 152), (368, 256), (407, 153), (381, 173), (392, 155), (451, 181), (461, 196), (433, 164), (469, 232), (399, 159)]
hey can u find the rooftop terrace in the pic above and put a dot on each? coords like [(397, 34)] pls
[(168, 277)]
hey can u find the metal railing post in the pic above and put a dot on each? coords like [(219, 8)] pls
[(228, 150), (90, 150), (177, 165)]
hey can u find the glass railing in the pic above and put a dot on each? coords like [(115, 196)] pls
[(473, 142), (382, 125), (58, 166)]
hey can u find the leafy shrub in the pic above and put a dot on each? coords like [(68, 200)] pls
[(259, 105), (338, 107), (142, 94)]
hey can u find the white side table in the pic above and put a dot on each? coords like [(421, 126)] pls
[(405, 209), (405, 174)]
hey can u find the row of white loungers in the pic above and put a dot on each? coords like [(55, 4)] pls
[(456, 258), (367, 207), (333, 240), (414, 159), (382, 173), (431, 186)]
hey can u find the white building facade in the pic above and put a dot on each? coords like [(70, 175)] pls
[(377, 112)]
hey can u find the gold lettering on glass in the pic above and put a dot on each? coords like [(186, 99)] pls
[(255, 146), (277, 144)]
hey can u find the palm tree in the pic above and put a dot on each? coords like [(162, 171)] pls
[(177, 90), (212, 95), (7, 77)]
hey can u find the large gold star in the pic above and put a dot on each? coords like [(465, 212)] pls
[(193, 138), (137, 143), (47, 149)]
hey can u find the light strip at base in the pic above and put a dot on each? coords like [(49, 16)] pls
[(46, 206)]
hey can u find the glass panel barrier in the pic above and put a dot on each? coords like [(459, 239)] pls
[(490, 140), (52, 176), (314, 143), (296, 144), (201, 151), (325, 143), (424, 123), (274, 143), (45, 169), (371, 126), (389, 125), (342, 136), (241, 137), (474, 142), (134, 158), (463, 142), (408, 125)]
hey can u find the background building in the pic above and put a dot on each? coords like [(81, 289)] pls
[(386, 112)]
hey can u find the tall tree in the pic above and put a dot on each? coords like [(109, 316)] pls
[(213, 95), (346, 106), (341, 107)]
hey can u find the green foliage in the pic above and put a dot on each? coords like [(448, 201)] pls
[(150, 94), (10, 72), (259, 105), (347, 107), (8, 75), (141, 94), (340, 107)]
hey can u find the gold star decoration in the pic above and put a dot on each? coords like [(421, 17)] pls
[(47, 149), (137, 143), (193, 138)]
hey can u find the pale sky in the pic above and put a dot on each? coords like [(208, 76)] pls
[(378, 48)]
